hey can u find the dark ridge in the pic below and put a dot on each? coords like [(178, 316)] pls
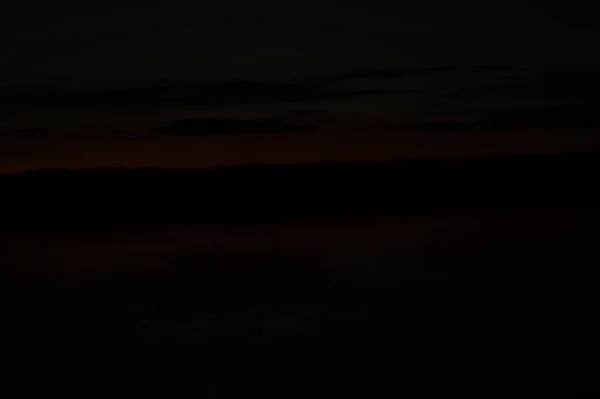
[(262, 193), (213, 126), (33, 130), (518, 319)]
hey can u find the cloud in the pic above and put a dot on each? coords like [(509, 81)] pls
[(214, 126), (223, 92), (202, 93), (564, 116), (190, 92), (398, 73), (391, 73), (468, 84), (33, 130), (569, 83), (459, 126), (575, 115), (28, 132)]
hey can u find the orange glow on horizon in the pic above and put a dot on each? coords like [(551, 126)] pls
[(195, 152)]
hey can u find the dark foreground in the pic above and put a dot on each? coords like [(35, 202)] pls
[(501, 316), (525, 320)]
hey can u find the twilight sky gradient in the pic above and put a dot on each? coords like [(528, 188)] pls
[(86, 84)]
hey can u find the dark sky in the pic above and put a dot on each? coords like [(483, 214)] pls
[(368, 77), (46, 40)]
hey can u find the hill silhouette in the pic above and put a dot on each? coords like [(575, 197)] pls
[(506, 306), (62, 198)]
